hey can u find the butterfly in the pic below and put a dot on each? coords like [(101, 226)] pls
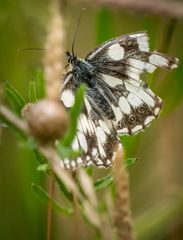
[(116, 102)]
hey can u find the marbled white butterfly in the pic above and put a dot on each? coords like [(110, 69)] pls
[(116, 100)]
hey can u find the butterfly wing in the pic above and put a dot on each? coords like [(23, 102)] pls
[(118, 64), (130, 50), (96, 140)]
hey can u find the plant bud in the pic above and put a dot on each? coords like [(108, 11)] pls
[(47, 120)]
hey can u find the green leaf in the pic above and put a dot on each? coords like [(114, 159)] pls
[(32, 92), (68, 152), (74, 113), (40, 84), (41, 159), (46, 199), (129, 162), (63, 189), (107, 180), (14, 97), (103, 182), (43, 167)]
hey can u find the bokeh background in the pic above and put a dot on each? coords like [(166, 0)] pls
[(156, 179)]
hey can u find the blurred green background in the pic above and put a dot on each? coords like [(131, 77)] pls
[(156, 180)]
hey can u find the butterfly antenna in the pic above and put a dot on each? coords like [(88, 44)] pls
[(30, 49), (76, 30)]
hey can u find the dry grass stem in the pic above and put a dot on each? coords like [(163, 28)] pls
[(11, 117), (49, 218), (87, 186), (53, 60), (172, 9), (54, 160), (122, 213)]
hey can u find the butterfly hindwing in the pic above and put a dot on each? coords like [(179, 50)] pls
[(94, 138)]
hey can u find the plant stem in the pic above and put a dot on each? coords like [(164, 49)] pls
[(49, 219), (122, 212), (12, 118)]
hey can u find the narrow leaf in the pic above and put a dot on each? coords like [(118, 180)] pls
[(41, 159), (14, 97), (129, 162), (107, 180), (45, 198), (40, 84), (67, 152), (32, 92), (43, 167), (103, 182), (63, 189)]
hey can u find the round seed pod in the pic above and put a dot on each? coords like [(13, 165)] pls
[(47, 120)]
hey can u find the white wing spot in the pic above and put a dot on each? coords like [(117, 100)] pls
[(108, 162), (156, 111), (66, 161), (117, 112), (101, 134), (111, 81), (136, 128), (75, 144), (123, 130), (99, 162), (138, 34), (141, 94), (134, 100), (87, 158), (143, 43), (116, 52), (67, 98), (104, 126), (79, 160), (158, 60), (148, 120), (82, 141), (141, 65), (124, 105), (73, 163), (94, 152), (134, 73)]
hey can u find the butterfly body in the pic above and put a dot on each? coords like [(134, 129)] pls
[(117, 101)]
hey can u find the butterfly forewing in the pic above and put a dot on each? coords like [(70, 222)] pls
[(116, 101)]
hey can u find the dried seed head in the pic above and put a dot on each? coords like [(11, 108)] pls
[(47, 120)]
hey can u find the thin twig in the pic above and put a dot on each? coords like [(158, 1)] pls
[(49, 218), (12, 118), (122, 212), (172, 9)]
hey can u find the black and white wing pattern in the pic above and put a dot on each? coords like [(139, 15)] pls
[(119, 63), (93, 137), (116, 101)]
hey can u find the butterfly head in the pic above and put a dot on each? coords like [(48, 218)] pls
[(71, 58)]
